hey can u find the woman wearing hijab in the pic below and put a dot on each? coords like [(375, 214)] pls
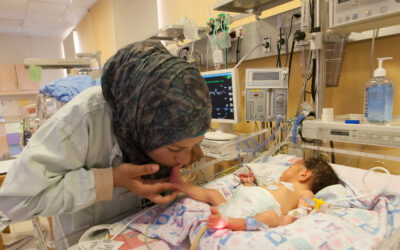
[(85, 165)]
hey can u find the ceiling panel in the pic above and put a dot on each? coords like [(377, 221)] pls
[(70, 19), (61, 32), (11, 22), (52, 1), (87, 3), (37, 16), (76, 10), (10, 29), (54, 18), (46, 8), (39, 24), (36, 31), (13, 4), (12, 14)]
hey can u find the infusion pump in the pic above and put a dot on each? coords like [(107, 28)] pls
[(361, 15), (266, 93)]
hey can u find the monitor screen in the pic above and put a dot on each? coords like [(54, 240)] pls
[(223, 91)]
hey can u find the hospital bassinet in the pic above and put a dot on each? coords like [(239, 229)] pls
[(371, 222)]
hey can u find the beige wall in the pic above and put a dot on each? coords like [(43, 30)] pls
[(69, 46), (134, 20), (96, 30), (15, 48), (173, 11), (348, 97)]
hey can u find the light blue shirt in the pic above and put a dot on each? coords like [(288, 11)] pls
[(54, 173)]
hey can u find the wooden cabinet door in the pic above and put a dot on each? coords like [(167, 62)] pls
[(23, 78), (8, 77)]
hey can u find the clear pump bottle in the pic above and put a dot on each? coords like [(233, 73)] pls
[(378, 99)]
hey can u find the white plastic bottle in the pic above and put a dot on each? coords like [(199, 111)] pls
[(378, 99)]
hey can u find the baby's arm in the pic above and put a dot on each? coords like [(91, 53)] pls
[(198, 193), (302, 209), (211, 196), (268, 217), (307, 194)]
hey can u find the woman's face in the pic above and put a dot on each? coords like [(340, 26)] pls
[(177, 153)]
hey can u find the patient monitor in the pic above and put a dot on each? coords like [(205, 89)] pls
[(224, 91)]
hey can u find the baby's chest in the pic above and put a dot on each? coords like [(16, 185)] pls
[(287, 198)]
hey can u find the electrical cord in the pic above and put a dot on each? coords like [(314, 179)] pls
[(288, 36), (313, 85), (312, 14), (308, 79), (244, 57), (278, 59), (208, 41), (332, 153), (290, 60), (311, 114), (226, 58), (238, 50)]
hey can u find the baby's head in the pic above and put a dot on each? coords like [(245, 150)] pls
[(315, 172)]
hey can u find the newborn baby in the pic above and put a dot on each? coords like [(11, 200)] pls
[(268, 204)]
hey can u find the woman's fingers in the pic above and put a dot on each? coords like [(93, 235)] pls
[(155, 188), (139, 170), (162, 199), (129, 176), (155, 181)]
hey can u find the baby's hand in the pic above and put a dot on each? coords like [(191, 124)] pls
[(247, 178), (175, 176), (215, 220)]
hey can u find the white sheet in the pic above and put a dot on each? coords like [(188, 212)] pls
[(372, 219)]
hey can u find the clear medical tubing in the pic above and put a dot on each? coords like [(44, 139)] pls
[(253, 150), (294, 130)]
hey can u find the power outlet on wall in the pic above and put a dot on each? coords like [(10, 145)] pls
[(267, 45), (237, 32), (288, 18), (284, 19)]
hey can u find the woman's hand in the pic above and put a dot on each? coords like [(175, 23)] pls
[(129, 176)]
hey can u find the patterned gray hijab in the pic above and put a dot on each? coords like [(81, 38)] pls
[(156, 99)]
